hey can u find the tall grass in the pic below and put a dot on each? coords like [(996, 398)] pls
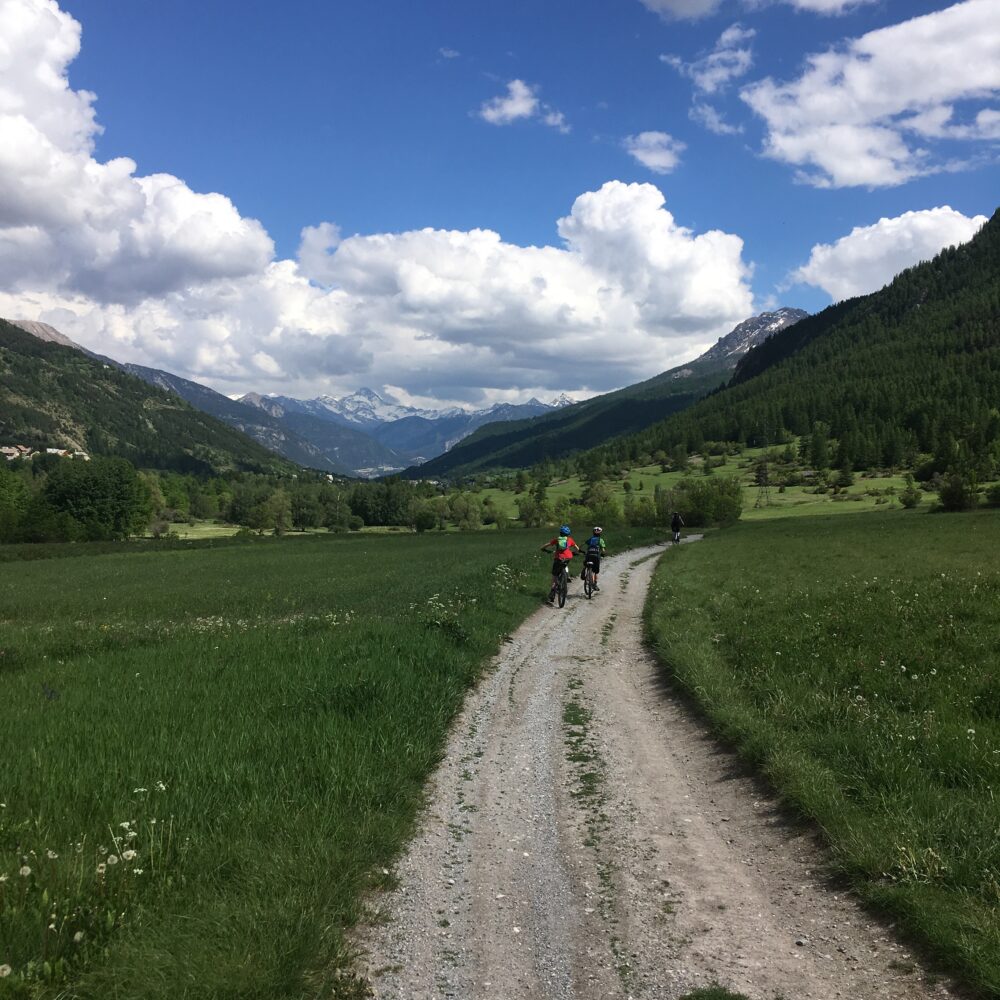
[(856, 662), (208, 753)]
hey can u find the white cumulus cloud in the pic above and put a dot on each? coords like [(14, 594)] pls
[(867, 114), (521, 102), (869, 257), (730, 59), (657, 151), (147, 270), (67, 219)]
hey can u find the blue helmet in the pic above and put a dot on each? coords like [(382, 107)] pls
[(565, 530)]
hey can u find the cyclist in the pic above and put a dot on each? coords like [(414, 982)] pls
[(562, 547), (595, 549), (676, 523)]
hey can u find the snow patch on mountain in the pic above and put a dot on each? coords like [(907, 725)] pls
[(750, 333)]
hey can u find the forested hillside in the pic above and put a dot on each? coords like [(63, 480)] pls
[(521, 443), (912, 369), (56, 396)]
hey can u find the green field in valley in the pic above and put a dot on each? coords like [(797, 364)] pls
[(210, 752), (854, 661)]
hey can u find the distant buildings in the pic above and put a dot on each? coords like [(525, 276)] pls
[(12, 452)]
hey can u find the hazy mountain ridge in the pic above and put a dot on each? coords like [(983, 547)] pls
[(410, 435)]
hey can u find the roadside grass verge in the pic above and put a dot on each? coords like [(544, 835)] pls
[(209, 751), (854, 662)]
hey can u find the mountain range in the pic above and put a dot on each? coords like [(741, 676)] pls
[(52, 394), (516, 444), (409, 435), (367, 433)]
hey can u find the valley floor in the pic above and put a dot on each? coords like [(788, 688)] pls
[(586, 838)]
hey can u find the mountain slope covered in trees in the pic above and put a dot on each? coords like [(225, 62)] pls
[(583, 425), (911, 369), (52, 395)]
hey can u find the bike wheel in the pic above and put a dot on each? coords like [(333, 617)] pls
[(563, 587), (588, 582)]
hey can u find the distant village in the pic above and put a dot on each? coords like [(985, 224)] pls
[(12, 452)]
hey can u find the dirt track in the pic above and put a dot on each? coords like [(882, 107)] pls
[(584, 838)]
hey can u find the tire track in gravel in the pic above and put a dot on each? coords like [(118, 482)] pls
[(585, 838)]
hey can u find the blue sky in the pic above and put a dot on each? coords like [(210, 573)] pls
[(385, 118)]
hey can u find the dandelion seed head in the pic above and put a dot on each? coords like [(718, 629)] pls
[(24, 871), (112, 859), (51, 855), (5, 971)]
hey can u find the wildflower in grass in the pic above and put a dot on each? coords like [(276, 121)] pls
[(137, 871), (129, 855), (161, 787), (102, 849), (5, 971), (102, 868), (24, 871), (126, 824), (112, 859), (3, 878), (51, 855), (139, 791), (78, 937)]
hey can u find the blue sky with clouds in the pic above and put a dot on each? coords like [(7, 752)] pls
[(706, 157)]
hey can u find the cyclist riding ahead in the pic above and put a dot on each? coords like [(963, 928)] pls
[(595, 549), (562, 546), (676, 523)]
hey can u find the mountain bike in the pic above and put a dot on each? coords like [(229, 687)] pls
[(562, 587), (588, 579)]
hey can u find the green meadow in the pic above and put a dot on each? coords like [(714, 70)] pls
[(208, 751), (854, 662)]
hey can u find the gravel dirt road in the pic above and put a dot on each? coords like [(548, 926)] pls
[(585, 838)]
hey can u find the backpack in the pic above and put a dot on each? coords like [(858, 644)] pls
[(562, 543)]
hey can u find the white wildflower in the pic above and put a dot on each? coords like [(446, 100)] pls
[(77, 937), (129, 855), (5, 971), (51, 855), (102, 868), (112, 859), (24, 871)]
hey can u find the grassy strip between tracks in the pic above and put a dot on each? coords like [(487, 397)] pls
[(208, 754), (854, 661)]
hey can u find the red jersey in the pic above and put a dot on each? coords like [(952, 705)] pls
[(563, 555)]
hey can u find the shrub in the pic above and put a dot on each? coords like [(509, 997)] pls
[(710, 500), (911, 496), (959, 491)]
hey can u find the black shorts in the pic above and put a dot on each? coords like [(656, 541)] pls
[(557, 566), (593, 559)]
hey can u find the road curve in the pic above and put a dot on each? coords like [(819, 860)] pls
[(585, 838)]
